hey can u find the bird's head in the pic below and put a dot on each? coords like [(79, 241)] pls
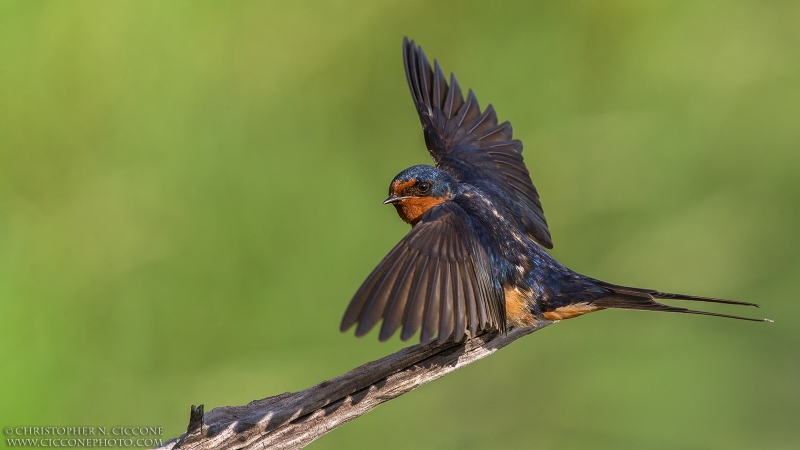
[(418, 189)]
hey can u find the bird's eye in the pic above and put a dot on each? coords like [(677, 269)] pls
[(424, 186)]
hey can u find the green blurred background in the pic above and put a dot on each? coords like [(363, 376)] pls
[(190, 193)]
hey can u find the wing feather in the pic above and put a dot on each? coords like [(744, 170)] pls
[(460, 313), (447, 303), (375, 307), (431, 322), (469, 144), (396, 306), (412, 319), (437, 280), (469, 295)]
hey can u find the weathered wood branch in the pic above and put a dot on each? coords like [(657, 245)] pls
[(294, 419)]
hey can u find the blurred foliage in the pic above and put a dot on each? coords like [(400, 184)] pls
[(190, 194)]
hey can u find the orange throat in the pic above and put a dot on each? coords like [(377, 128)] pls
[(412, 209)]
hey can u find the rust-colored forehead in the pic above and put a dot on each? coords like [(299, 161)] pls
[(399, 186)]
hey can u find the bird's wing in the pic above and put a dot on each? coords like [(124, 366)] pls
[(469, 144), (437, 278)]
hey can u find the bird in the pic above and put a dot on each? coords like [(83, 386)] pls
[(475, 259)]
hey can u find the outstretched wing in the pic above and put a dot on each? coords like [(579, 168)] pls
[(437, 278), (469, 144)]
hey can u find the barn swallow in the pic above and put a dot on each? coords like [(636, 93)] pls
[(475, 257)]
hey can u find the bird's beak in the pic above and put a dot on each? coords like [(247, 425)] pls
[(393, 199)]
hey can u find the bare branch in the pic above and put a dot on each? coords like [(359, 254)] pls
[(294, 419)]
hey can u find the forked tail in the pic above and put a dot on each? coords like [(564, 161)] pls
[(624, 297)]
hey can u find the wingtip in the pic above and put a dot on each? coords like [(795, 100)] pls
[(409, 44), (441, 338), (385, 333), (363, 328), (768, 320), (345, 325), (404, 336)]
